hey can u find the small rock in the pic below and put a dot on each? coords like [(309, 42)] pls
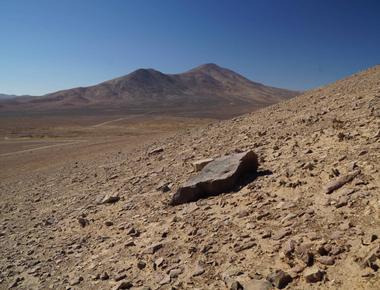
[(163, 186), (75, 281), (338, 183), (83, 222), (244, 246), (343, 201), (16, 282), (281, 234), (345, 226), (368, 239), (174, 273), (279, 279), (155, 151), (236, 286), (158, 262), (313, 275), (199, 270), (326, 260), (153, 248), (108, 223), (124, 285), (104, 276), (141, 264), (133, 232), (165, 280), (266, 234), (289, 247), (256, 284), (120, 277), (110, 199)]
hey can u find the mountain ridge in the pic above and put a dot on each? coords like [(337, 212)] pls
[(206, 85)]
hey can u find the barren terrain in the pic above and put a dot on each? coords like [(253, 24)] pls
[(104, 221)]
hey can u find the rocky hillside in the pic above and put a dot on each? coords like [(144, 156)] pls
[(308, 220), (205, 86)]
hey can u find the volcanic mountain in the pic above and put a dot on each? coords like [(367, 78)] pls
[(203, 87)]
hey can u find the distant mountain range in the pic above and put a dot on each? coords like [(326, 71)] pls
[(208, 85), (4, 96)]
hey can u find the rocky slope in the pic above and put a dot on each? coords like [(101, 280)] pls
[(205, 86), (107, 223)]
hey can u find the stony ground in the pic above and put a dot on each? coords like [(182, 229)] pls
[(66, 228)]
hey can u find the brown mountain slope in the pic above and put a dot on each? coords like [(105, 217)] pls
[(280, 221), (205, 86)]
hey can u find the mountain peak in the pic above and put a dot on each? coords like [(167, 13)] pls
[(207, 67)]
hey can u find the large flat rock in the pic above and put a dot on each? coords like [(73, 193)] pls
[(218, 176)]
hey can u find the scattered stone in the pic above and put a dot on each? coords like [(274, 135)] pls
[(155, 151), (372, 259), (124, 285), (220, 175), (338, 183), (266, 234), (165, 280), (279, 279), (199, 164), (326, 260), (110, 199), (75, 281), (153, 248), (257, 284), (313, 275), (120, 277), (289, 247), (104, 276), (236, 286), (83, 222), (158, 262), (368, 239), (174, 273), (245, 246), (108, 223), (199, 270), (345, 226), (141, 264), (16, 282), (133, 232), (281, 234), (343, 201), (163, 186)]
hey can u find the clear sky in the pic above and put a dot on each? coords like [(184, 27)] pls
[(47, 45)]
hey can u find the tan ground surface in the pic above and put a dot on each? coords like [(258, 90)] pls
[(280, 221)]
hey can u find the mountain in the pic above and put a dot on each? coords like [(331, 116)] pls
[(204, 86), (280, 228), (4, 96)]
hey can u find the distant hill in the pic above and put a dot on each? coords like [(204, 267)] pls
[(203, 87), (4, 96)]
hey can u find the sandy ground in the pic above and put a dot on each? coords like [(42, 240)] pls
[(33, 143)]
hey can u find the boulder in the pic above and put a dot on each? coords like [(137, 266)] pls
[(220, 175)]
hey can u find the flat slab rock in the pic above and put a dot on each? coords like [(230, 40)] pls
[(218, 176)]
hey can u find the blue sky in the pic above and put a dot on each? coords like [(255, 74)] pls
[(48, 45)]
